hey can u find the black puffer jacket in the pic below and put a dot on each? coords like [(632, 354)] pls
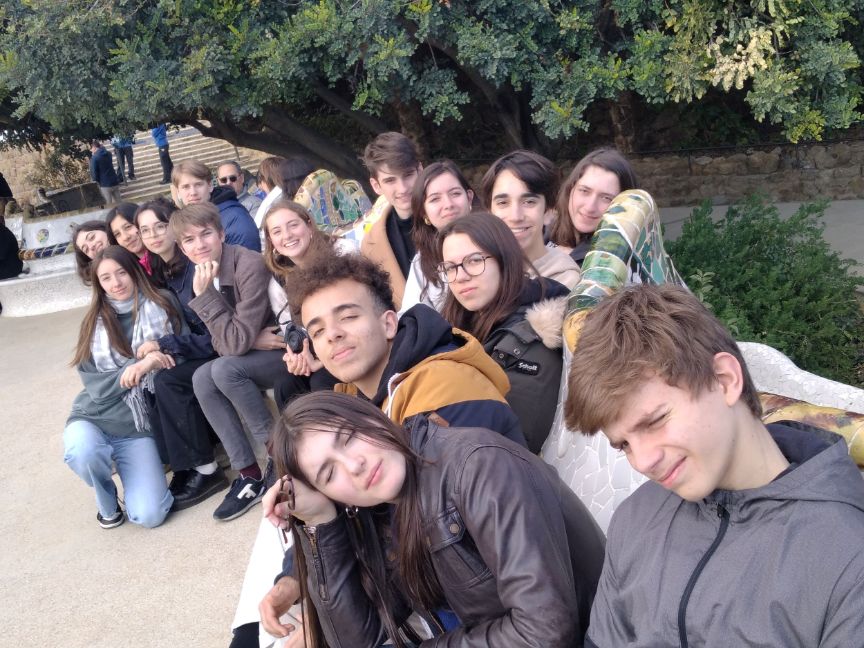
[(517, 554), (527, 345)]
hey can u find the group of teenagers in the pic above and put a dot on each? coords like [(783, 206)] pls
[(416, 380)]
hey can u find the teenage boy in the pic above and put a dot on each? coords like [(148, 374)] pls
[(394, 164), (230, 297), (746, 535), (414, 364), (194, 184)]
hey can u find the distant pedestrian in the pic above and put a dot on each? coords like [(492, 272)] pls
[(123, 150), (5, 195), (160, 139), (102, 172)]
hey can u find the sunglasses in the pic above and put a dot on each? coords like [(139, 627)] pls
[(227, 179)]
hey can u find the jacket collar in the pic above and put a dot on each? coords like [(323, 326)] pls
[(823, 471)]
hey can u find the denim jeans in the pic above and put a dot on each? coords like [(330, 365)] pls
[(229, 391), (89, 452)]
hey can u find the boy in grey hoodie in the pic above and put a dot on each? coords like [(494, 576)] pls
[(746, 535)]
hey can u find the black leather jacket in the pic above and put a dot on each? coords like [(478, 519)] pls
[(517, 554)]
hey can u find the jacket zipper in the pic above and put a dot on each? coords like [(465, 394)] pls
[(316, 561), (723, 514)]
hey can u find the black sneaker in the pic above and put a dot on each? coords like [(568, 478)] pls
[(109, 523), (197, 488), (244, 494), (178, 481)]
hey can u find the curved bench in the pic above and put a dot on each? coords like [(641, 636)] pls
[(52, 286)]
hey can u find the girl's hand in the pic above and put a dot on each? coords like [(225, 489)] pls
[(310, 506), (159, 360), (148, 347), (132, 374), (267, 340)]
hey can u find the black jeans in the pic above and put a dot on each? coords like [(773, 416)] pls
[(167, 164), (183, 431), (292, 386), (124, 159)]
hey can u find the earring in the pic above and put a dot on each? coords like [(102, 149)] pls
[(426, 220)]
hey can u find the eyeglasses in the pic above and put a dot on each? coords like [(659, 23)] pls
[(227, 179), (156, 230), (286, 496), (473, 265)]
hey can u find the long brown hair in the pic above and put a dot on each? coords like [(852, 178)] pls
[(494, 238), (101, 307), (286, 173), (162, 208), (422, 231), (330, 411), (282, 266), (82, 261), (608, 159)]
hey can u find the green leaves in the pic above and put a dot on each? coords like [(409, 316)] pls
[(776, 281)]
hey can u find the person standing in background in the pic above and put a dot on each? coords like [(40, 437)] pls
[(5, 195), (123, 150), (102, 172), (160, 139)]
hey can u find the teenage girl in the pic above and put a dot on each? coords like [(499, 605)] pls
[(110, 423), (475, 533), (516, 318), (440, 195)]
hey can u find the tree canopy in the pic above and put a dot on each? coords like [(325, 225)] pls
[(320, 77)]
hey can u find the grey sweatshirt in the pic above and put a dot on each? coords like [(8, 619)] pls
[(782, 564)]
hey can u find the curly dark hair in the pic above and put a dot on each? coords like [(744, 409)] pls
[(329, 269)]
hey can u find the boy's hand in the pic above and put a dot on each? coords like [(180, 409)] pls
[(205, 273)]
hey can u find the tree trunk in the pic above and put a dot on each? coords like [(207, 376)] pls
[(623, 117), (283, 136), (411, 123)]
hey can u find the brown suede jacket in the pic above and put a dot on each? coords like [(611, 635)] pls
[(237, 312)]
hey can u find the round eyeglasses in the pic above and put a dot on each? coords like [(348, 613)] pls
[(473, 265), (157, 230)]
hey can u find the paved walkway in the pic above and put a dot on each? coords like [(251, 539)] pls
[(66, 581), (71, 583)]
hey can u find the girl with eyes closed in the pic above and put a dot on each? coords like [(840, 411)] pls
[(441, 194), (517, 319), (110, 421), (472, 532)]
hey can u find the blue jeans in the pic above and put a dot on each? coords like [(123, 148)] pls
[(89, 452)]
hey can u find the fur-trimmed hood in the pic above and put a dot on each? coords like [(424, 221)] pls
[(546, 317)]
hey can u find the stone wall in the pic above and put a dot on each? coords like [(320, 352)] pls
[(16, 165), (785, 173)]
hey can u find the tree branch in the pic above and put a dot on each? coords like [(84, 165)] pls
[(369, 122)]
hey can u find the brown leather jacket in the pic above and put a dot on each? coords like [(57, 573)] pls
[(517, 554)]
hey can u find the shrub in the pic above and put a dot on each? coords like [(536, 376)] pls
[(776, 281), (56, 169)]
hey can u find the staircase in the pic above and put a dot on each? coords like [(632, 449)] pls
[(186, 144)]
